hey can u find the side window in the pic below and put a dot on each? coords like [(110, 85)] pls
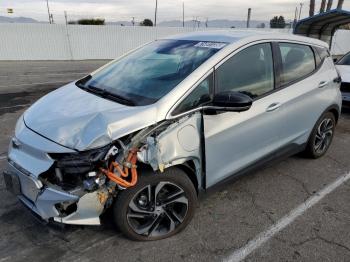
[(199, 96), (249, 71), (297, 61)]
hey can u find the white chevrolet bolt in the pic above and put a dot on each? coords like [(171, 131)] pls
[(148, 132)]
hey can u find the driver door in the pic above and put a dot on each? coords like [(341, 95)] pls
[(234, 141)]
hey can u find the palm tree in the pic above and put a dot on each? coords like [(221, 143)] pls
[(329, 5), (340, 4), (323, 5), (312, 8)]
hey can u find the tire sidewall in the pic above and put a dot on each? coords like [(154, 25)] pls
[(311, 149), (172, 175)]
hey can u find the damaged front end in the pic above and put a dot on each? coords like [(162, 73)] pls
[(77, 187)]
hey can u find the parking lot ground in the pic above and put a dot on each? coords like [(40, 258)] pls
[(225, 221)]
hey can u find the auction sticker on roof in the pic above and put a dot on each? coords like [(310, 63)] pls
[(214, 45)]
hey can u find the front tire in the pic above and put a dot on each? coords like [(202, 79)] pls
[(321, 136), (159, 206)]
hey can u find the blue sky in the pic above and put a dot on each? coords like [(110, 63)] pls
[(116, 10)]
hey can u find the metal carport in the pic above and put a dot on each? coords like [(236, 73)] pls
[(323, 25)]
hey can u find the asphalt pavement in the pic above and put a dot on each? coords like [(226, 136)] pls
[(264, 216)]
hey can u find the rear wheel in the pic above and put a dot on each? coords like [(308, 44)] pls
[(321, 136), (159, 206)]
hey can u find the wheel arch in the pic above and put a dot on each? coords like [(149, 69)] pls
[(335, 111), (189, 168)]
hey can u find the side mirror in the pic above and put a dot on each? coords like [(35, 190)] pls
[(335, 60), (232, 101)]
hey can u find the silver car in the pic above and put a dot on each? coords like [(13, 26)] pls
[(149, 132)]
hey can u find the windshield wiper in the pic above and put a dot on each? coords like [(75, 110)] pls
[(105, 94), (117, 98)]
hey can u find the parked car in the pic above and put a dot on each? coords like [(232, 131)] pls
[(148, 132), (343, 67)]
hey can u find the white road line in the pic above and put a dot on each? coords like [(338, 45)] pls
[(260, 239), (3, 157)]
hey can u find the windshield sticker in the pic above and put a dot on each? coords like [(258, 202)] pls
[(214, 45)]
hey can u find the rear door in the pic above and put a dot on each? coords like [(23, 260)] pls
[(235, 140), (306, 83)]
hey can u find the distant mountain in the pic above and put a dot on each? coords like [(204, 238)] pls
[(219, 23), (6, 19)]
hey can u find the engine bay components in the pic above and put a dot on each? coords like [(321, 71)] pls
[(120, 175)]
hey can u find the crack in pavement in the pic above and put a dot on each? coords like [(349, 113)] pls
[(302, 183), (257, 206), (318, 237), (336, 161)]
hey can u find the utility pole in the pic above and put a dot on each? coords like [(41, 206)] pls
[(295, 17), (301, 7), (183, 13), (196, 22), (248, 18), (155, 14), (48, 10)]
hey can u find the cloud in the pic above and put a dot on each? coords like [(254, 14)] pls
[(115, 10)]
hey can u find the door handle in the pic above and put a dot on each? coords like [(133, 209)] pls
[(273, 107), (322, 84)]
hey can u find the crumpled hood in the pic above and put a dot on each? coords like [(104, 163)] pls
[(80, 120), (344, 72)]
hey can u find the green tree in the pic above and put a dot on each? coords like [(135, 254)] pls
[(91, 21), (146, 22), (278, 22)]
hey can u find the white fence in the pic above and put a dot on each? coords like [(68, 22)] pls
[(78, 42)]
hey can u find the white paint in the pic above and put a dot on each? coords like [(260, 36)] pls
[(3, 157), (259, 240)]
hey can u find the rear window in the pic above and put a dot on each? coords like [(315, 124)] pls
[(297, 61)]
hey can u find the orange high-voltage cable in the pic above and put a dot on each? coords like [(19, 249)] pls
[(132, 159)]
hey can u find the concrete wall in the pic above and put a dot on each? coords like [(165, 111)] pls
[(74, 42), (79, 42)]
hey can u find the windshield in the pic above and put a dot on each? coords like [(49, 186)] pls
[(345, 60), (146, 75)]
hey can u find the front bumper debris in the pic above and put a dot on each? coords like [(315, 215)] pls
[(34, 195)]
